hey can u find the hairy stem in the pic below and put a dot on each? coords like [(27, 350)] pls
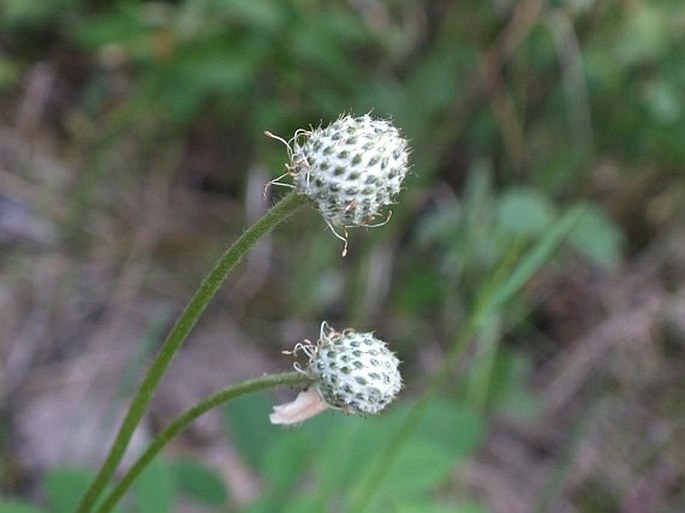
[(196, 306), (246, 387)]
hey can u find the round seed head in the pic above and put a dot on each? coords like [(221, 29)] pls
[(354, 372), (350, 169)]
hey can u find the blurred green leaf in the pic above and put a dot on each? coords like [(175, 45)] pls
[(445, 436), (124, 26), (645, 35), (524, 212), (286, 464), (300, 504), (347, 450), (257, 14), (154, 490), (453, 425), (420, 290), (14, 506), (313, 46), (30, 13), (198, 73), (596, 237), (199, 482), (247, 421), (664, 101), (294, 451), (64, 488), (420, 467)]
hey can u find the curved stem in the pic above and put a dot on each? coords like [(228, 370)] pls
[(246, 387), (207, 290)]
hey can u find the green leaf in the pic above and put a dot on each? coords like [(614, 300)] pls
[(247, 420), (645, 36), (596, 237), (524, 212), (421, 290), (303, 503), (319, 442), (200, 483), (421, 466), (438, 73), (446, 434), (125, 26), (30, 13), (14, 506), (258, 15), (288, 457), (154, 490), (455, 427), (347, 451), (201, 71), (315, 47), (64, 488)]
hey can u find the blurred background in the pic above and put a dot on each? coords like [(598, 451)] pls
[(132, 152)]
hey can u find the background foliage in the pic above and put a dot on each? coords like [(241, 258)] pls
[(132, 151)]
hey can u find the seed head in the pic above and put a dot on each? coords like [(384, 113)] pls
[(350, 371), (354, 372), (351, 169)]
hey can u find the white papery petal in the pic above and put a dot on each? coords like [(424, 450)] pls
[(307, 404)]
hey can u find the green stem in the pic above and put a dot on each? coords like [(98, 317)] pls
[(480, 379), (208, 289), (246, 387)]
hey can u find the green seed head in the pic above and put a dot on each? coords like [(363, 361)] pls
[(350, 169), (354, 372)]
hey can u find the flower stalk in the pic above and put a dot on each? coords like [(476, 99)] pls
[(178, 425), (185, 323), (350, 371)]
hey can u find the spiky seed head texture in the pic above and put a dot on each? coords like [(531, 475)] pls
[(354, 372), (350, 169)]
